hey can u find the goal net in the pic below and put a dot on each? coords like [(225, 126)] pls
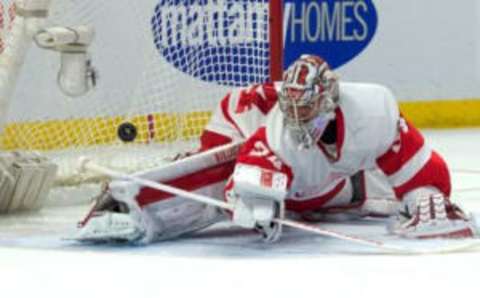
[(161, 65)]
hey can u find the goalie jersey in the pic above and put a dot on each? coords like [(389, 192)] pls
[(367, 136), (368, 133)]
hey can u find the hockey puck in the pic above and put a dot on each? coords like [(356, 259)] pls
[(127, 132)]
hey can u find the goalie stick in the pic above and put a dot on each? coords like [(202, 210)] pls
[(462, 245)]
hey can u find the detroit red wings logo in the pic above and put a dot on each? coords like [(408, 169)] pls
[(261, 96), (245, 103)]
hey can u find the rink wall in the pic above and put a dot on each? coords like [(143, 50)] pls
[(426, 51), (454, 113)]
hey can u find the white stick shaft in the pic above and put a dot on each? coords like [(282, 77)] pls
[(337, 235), (155, 185), (456, 246)]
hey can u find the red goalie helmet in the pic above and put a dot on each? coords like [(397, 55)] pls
[(309, 87), (308, 96)]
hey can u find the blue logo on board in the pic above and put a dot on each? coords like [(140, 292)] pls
[(337, 30), (226, 41), (220, 41)]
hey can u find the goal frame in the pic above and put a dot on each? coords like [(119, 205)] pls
[(17, 49), (276, 39)]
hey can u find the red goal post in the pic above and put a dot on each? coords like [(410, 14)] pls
[(276, 39)]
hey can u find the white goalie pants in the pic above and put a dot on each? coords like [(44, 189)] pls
[(365, 194), (176, 216)]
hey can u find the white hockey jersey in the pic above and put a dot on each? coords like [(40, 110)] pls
[(370, 134), (366, 126), (367, 135)]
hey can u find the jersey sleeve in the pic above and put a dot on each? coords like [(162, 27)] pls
[(220, 129), (239, 114), (403, 155), (393, 144), (410, 163)]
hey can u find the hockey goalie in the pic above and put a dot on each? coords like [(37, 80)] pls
[(311, 148)]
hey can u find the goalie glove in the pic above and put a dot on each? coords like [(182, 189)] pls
[(258, 197), (257, 214), (25, 181), (429, 214)]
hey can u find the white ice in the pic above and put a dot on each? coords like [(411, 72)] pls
[(35, 261)]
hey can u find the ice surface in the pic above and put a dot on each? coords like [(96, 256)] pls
[(229, 262)]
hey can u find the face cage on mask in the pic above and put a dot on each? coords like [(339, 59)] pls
[(307, 133)]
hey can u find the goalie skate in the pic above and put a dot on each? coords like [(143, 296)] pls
[(113, 220), (110, 227)]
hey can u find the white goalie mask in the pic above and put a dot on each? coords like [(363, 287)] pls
[(308, 98)]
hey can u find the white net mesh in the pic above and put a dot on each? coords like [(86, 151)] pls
[(162, 64)]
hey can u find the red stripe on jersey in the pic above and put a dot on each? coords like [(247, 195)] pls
[(226, 113), (315, 203), (210, 139), (353, 204), (435, 173), (189, 182), (340, 131), (409, 142), (340, 138)]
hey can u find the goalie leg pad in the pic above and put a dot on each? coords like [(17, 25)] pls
[(162, 215), (119, 218), (112, 219), (111, 227), (180, 217)]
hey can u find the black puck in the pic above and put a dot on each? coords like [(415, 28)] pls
[(127, 132)]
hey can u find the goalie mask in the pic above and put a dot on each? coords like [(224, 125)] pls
[(308, 98)]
